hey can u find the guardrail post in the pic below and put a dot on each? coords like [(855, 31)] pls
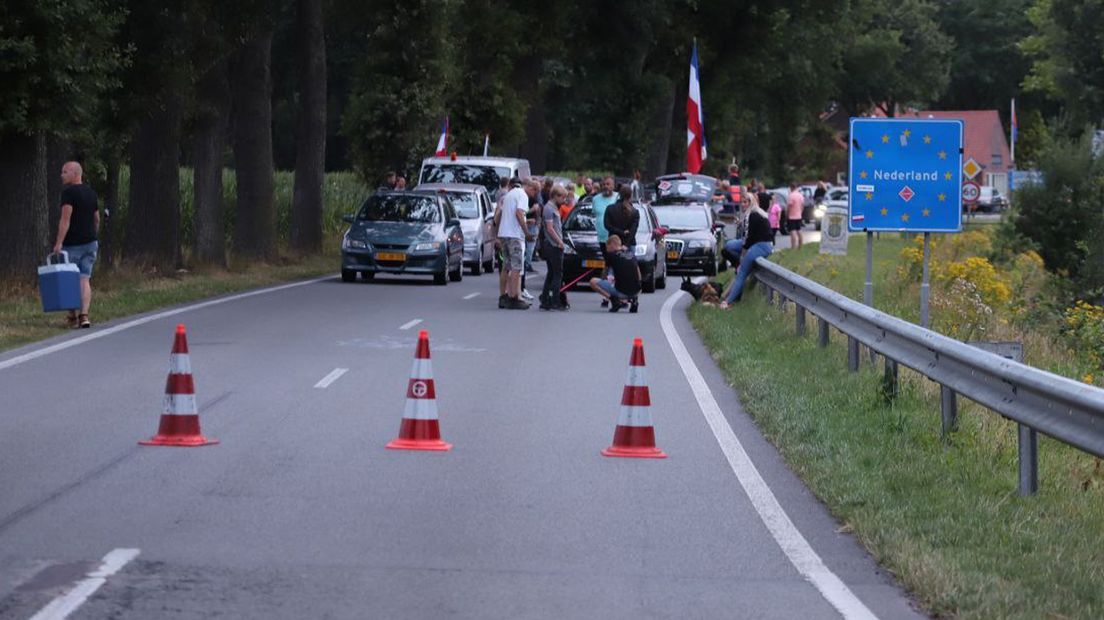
[(948, 404), (770, 296), (1029, 461), (781, 301), (822, 324), (889, 380), (800, 320), (852, 354)]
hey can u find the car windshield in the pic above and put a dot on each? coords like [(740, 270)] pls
[(466, 204), (683, 218), (487, 176), (697, 189), (400, 208), (582, 220)]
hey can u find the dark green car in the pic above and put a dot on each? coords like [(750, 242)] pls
[(404, 233)]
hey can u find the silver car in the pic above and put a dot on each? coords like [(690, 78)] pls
[(475, 209)]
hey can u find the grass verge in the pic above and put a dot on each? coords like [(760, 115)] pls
[(941, 515), (126, 292)]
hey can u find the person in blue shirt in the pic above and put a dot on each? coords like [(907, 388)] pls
[(599, 204)]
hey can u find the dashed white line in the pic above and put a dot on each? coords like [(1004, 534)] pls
[(410, 324), (471, 295), (803, 557), (61, 607), (330, 378)]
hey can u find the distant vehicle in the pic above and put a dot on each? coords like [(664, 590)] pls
[(583, 253), (991, 199), (684, 189), (694, 239), (836, 197), (404, 232), (485, 171), (475, 208), (807, 209)]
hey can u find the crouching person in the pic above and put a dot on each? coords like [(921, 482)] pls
[(625, 286)]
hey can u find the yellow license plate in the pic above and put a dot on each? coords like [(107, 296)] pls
[(396, 256), (594, 264), (672, 254)]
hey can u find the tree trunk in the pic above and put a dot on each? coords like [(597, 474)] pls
[(534, 147), (676, 155), (212, 111), (153, 211), (109, 204), (656, 163), (310, 139), (24, 237), (58, 151), (255, 223)]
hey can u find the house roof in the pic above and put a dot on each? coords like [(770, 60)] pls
[(983, 136)]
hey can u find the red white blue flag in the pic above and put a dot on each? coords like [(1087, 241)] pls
[(695, 123), (442, 142), (1015, 130)]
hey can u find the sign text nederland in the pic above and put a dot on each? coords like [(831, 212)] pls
[(905, 175)]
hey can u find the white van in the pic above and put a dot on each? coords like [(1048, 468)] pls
[(485, 171)]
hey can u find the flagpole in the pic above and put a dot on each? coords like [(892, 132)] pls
[(1012, 135)]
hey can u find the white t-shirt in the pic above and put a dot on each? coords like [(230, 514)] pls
[(508, 226)]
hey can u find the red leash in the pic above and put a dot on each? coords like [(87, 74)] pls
[(576, 280)]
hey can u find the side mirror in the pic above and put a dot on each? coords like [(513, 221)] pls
[(453, 223), (718, 226), (348, 218)]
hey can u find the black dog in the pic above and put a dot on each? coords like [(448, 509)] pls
[(707, 291)]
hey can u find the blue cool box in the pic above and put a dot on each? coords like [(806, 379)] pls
[(59, 285)]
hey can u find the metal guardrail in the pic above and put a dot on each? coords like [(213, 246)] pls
[(1067, 410)]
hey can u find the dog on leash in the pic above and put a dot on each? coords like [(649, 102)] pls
[(708, 293)]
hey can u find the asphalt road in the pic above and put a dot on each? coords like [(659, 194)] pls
[(300, 512)]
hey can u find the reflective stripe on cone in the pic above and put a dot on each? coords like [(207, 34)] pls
[(179, 424), (634, 435), (420, 428)]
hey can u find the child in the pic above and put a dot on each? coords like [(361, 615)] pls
[(775, 216)]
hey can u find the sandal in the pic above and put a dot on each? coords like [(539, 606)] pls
[(72, 322), (84, 322)]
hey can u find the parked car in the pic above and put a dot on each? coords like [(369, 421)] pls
[(807, 209), (684, 189), (836, 197), (582, 252), (485, 171), (475, 209), (404, 232), (694, 239), (991, 199)]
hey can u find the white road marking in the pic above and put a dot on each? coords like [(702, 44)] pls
[(330, 378), (61, 346), (471, 295), (69, 602), (785, 533), (410, 324)]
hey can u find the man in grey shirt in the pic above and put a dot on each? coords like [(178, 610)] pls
[(553, 250)]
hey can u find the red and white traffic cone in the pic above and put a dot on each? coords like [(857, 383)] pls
[(635, 436), (420, 428), (180, 420)]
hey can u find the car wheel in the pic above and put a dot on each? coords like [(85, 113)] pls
[(649, 283), (661, 283), (457, 274), (488, 265), (711, 268), (441, 279), (368, 275), (477, 268), (348, 275)]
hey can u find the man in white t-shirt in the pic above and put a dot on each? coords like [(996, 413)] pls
[(510, 221)]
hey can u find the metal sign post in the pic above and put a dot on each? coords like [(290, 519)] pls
[(925, 282)]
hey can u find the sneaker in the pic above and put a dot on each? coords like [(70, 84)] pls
[(561, 307), (605, 303), (503, 301), (526, 294), (616, 305), (634, 306), (84, 322), (516, 304)]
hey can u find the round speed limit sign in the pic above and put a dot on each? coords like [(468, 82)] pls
[(971, 192)]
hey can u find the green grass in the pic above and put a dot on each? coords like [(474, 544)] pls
[(942, 516)]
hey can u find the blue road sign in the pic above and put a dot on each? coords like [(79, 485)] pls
[(905, 175)]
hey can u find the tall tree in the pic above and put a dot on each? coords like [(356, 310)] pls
[(51, 80), (310, 143), (1067, 57), (251, 78), (208, 145)]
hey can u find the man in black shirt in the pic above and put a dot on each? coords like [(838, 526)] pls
[(626, 277), (77, 228)]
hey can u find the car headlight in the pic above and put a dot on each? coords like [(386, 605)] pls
[(641, 249), (568, 249), (355, 244), (427, 247), (819, 211), (698, 243)]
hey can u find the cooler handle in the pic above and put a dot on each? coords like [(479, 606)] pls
[(63, 254)]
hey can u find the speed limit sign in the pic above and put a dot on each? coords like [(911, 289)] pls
[(971, 192)]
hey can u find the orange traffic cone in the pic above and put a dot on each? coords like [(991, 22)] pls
[(635, 436), (180, 420), (420, 428)]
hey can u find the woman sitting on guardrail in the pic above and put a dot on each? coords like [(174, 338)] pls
[(757, 244)]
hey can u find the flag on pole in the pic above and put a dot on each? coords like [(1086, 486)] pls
[(695, 124), (486, 144), (442, 142), (1015, 130)]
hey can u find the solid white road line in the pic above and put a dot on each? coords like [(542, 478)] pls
[(330, 378), (69, 602), (410, 324), (471, 295), (61, 346), (785, 533)]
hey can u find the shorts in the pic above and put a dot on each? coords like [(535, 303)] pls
[(83, 255), (513, 253), (794, 225), (609, 288)]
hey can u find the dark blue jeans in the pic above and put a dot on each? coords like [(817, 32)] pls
[(747, 263)]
